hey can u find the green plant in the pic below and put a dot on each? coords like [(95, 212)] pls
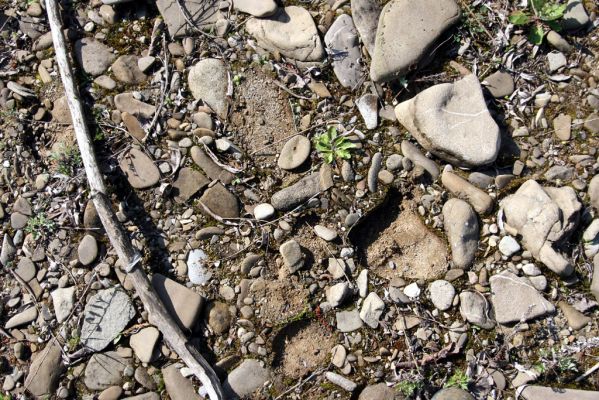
[(544, 13), (565, 364), (40, 225), (458, 379), (408, 388), (331, 146), (73, 342), (68, 160)]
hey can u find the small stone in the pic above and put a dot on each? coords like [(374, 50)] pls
[(45, 371), (508, 246), (337, 293), (442, 294), (143, 343), (87, 250), (556, 60), (452, 393), (126, 70), (325, 233), (349, 321), (264, 211), (474, 308), (219, 317), (294, 153), (140, 170), (183, 305), (562, 124), (208, 81), (576, 319), (368, 107), (338, 355), (500, 84), (93, 56), (220, 201), (340, 381), (248, 377), (372, 309), (292, 255), (21, 318), (260, 9), (63, 300)]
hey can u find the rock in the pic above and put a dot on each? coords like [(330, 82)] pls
[(205, 16), (106, 314), (294, 153), (362, 283), (9, 251), (264, 212), (177, 386), (340, 381), (93, 56), (296, 194), (105, 82), (26, 269), (144, 396), (143, 343), (218, 317), (461, 188), (337, 293), (475, 309), (63, 300), (531, 392), (325, 233), (576, 319), (500, 84), (188, 183), (126, 70), (451, 120), (87, 250), (22, 318), (349, 321), (133, 126), (394, 162), (543, 217), (413, 154), (406, 31), (248, 377), (342, 45), (575, 16), (556, 60), (45, 370), (515, 299), (196, 267), (212, 170), (105, 370), (221, 201), (508, 246), (452, 393), (256, 8), (126, 102), (559, 173), (183, 305), (140, 170), (145, 63), (208, 81), (61, 112), (590, 238), (461, 227), (369, 109), (372, 309), (442, 294), (591, 124), (380, 391), (373, 171), (291, 31), (338, 356), (558, 42), (293, 258), (112, 393), (365, 14)]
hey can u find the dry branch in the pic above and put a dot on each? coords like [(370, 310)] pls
[(157, 313)]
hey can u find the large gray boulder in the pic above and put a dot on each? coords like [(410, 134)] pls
[(406, 31), (291, 31), (342, 45), (45, 370), (544, 217), (451, 120)]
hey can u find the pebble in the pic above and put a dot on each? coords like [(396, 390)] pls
[(294, 153), (325, 233), (375, 167), (292, 255), (264, 211), (442, 294), (508, 246), (87, 250), (340, 381)]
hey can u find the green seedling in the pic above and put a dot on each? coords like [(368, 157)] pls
[(544, 13), (331, 146)]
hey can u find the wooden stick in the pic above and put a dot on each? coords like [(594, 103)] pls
[(157, 313)]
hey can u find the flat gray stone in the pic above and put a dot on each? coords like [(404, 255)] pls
[(342, 45), (244, 380), (204, 15), (177, 386), (26, 269), (63, 300), (144, 342), (412, 153), (212, 170), (221, 201), (188, 182), (291, 31), (369, 109), (348, 321), (515, 299), (452, 393), (87, 251), (45, 371), (24, 317), (406, 31), (293, 258), (126, 102), (547, 393), (474, 308), (380, 391), (442, 294), (451, 120), (106, 314), (183, 304), (104, 370), (500, 84), (8, 252), (126, 70), (461, 188), (208, 81), (218, 317), (139, 168), (93, 56), (296, 194), (372, 309), (575, 17)]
